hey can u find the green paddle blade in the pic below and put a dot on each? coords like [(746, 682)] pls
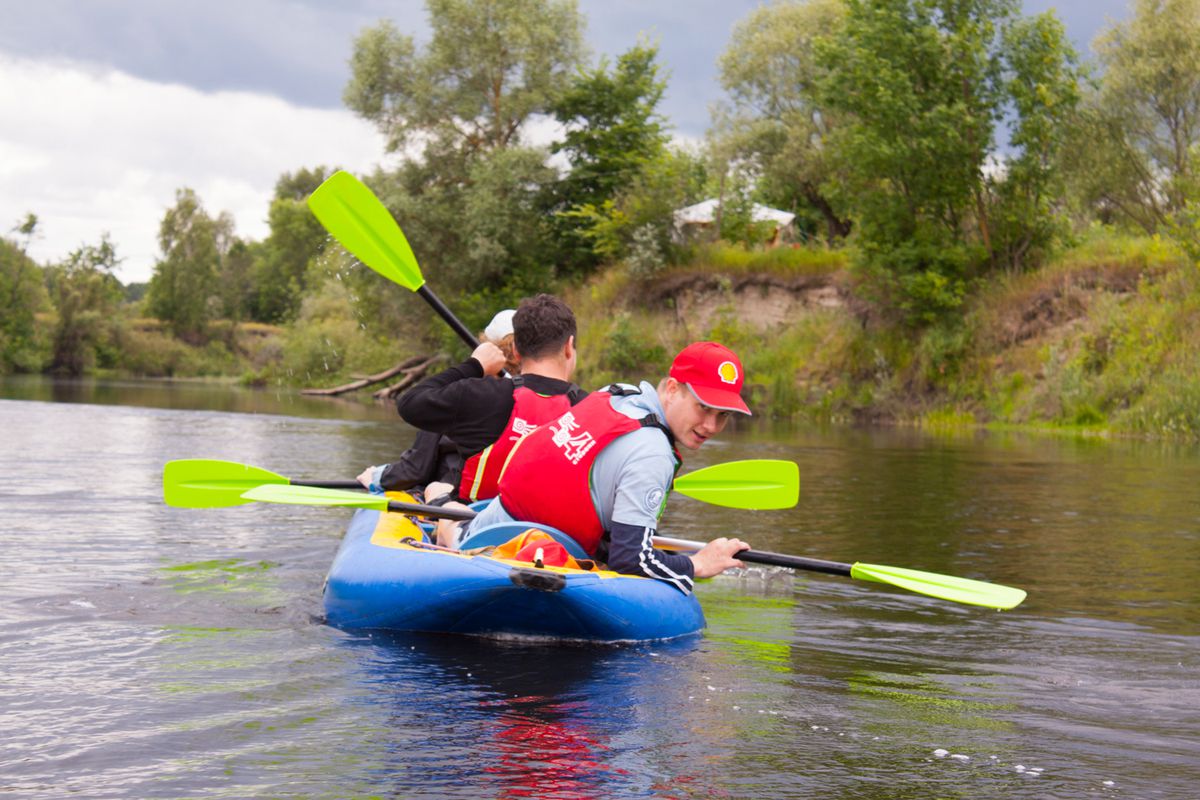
[(753, 484), (946, 587), (312, 496), (354, 216), (210, 483)]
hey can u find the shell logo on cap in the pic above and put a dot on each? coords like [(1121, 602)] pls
[(728, 372)]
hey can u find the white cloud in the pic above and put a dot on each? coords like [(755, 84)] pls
[(90, 151)]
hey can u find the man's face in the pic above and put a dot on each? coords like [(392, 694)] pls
[(692, 422)]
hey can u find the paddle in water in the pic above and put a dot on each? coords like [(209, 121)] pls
[(751, 484), (945, 587)]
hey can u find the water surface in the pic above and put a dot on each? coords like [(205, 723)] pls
[(168, 653)]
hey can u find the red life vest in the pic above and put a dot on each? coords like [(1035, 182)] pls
[(481, 472), (547, 477)]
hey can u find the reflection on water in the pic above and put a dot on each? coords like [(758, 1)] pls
[(156, 652), (193, 394)]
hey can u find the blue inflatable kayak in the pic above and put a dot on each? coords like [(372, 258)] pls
[(386, 576)]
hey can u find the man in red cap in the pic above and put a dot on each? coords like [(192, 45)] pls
[(602, 471)]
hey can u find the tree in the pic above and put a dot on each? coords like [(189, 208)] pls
[(280, 264), (771, 72), (489, 66), (456, 109), (640, 218), (1137, 140), (1043, 87), (22, 295), (613, 128), (86, 296), (923, 85), (185, 291), (613, 131)]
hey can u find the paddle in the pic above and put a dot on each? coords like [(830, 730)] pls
[(316, 496), (355, 217), (209, 483), (751, 484), (945, 587)]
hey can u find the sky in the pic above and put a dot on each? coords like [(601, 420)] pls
[(111, 106)]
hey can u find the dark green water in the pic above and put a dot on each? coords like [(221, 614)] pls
[(166, 653)]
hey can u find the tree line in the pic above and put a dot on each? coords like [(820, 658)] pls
[(941, 141)]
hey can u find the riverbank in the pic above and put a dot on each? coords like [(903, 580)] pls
[(1102, 340)]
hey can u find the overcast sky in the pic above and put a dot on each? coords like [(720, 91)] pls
[(110, 106)]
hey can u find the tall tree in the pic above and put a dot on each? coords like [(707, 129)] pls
[(22, 295), (777, 120), (86, 296), (281, 262), (923, 85), (184, 291), (1137, 147), (457, 108), (613, 131), (489, 66)]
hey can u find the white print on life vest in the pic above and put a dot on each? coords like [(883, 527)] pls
[(520, 428), (574, 446)]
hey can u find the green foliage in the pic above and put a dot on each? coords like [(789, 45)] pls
[(86, 297), (22, 295), (472, 204), (275, 285), (1042, 84), (646, 208), (613, 130), (795, 260), (328, 344), (488, 67), (185, 289), (1137, 141), (922, 85), (628, 355), (776, 120)]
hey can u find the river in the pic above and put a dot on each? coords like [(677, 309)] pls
[(153, 652)]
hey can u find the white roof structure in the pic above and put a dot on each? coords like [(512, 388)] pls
[(706, 212)]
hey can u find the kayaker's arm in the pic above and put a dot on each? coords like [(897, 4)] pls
[(631, 552), (471, 412)]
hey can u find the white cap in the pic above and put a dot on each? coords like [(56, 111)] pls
[(500, 326)]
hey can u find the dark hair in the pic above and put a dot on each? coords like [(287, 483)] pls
[(542, 325)]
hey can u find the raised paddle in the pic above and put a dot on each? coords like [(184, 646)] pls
[(751, 484), (945, 587), (355, 217)]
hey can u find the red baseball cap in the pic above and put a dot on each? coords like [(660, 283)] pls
[(713, 373)]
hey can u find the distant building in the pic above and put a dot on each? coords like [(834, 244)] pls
[(698, 221)]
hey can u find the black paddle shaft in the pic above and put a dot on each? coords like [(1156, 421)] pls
[(448, 315), (794, 562), (329, 484)]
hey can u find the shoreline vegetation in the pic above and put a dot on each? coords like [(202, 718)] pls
[(1104, 340), (873, 254)]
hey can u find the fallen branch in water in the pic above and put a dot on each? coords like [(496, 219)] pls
[(411, 376), (415, 366)]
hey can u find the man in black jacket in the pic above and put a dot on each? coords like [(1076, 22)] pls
[(483, 414)]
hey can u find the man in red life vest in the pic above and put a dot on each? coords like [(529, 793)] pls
[(485, 416), (602, 471), (433, 457)]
